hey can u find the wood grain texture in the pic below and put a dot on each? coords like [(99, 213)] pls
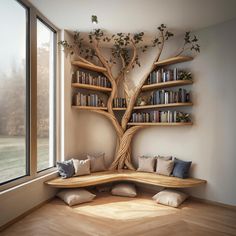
[(137, 107), (111, 215), (166, 84), (88, 66), (173, 60), (179, 104), (124, 175), (89, 108), (91, 87), (160, 124)]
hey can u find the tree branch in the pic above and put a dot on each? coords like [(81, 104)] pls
[(85, 61), (134, 94), (132, 61)]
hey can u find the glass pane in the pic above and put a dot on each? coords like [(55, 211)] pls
[(13, 17), (45, 96)]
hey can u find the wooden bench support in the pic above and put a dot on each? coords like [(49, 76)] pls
[(124, 175)]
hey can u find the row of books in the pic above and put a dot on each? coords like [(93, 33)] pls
[(163, 75), (88, 100), (87, 78), (119, 102), (155, 116), (165, 97)]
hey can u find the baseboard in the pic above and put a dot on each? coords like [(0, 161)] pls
[(231, 207), (3, 227)]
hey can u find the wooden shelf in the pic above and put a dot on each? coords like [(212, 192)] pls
[(137, 107), (89, 67), (166, 84), (124, 175), (91, 87), (119, 108), (164, 105), (89, 108), (173, 60), (160, 124)]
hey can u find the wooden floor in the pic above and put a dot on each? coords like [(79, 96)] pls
[(113, 216)]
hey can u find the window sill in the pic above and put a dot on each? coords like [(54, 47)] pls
[(47, 174)]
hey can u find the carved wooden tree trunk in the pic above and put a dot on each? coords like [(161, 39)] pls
[(123, 155)]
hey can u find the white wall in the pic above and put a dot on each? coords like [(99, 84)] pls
[(209, 143)]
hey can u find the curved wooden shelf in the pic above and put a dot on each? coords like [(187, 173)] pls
[(119, 108), (173, 60), (124, 175), (139, 107), (160, 123), (91, 87), (89, 108), (180, 104), (169, 84), (89, 67)]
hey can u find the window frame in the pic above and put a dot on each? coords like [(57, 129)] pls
[(54, 89), (31, 98)]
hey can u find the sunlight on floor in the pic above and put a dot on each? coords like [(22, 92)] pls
[(124, 209)]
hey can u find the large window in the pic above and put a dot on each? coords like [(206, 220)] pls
[(27, 92), (45, 96), (13, 71)]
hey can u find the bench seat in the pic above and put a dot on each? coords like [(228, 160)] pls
[(124, 175)]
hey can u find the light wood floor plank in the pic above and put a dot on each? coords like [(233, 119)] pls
[(120, 216)]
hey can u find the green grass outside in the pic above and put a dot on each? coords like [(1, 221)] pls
[(13, 158)]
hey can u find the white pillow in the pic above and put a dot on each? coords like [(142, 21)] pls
[(124, 190), (82, 167), (75, 196), (170, 197)]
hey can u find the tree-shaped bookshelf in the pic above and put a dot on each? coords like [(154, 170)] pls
[(125, 48)]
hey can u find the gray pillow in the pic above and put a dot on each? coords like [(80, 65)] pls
[(66, 169), (146, 164), (164, 167), (170, 197), (75, 196), (82, 167), (124, 190), (97, 163)]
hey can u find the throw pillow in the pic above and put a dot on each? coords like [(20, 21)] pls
[(146, 164), (181, 168), (82, 167), (97, 163), (170, 197), (66, 169), (166, 158), (75, 196), (124, 190), (164, 167)]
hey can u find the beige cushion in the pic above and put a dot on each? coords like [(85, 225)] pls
[(170, 197), (75, 196), (82, 167), (146, 164), (97, 163), (167, 158), (124, 190), (164, 167)]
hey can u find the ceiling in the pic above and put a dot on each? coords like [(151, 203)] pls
[(136, 15)]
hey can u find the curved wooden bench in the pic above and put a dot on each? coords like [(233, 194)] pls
[(124, 175)]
